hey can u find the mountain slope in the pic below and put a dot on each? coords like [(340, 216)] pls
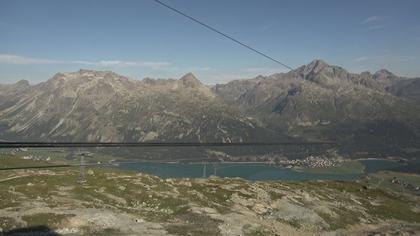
[(409, 89), (321, 100), (104, 106)]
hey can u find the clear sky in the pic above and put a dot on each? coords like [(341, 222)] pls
[(140, 38)]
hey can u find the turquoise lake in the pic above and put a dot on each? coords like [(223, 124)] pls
[(372, 166), (245, 171)]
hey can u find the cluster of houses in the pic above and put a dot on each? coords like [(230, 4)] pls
[(406, 185), (18, 150), (308, 162), (312, 162), (35, 158)]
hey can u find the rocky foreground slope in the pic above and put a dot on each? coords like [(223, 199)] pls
[(113, 203)]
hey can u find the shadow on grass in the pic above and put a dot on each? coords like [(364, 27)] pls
[(31, 231)]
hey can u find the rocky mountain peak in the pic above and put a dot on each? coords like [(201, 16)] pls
[(22, 83), (321, 72), (96, 74), (318, 62), (383, 73), (313, 67), (316, 65), (385, 77), (84, 75), (189, 80)]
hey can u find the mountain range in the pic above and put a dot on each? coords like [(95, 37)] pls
[(316, 101), (327, 102)]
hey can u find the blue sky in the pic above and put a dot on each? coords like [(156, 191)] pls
[(139, 38)]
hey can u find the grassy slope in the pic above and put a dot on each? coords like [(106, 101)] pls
[(172, 202)]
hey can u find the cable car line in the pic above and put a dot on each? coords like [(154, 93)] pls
[(221, 33)]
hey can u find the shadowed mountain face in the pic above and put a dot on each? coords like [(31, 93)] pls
[(315, 101), (318, 93), (323, 101), (409, 89)]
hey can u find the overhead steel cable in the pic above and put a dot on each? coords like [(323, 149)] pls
[(223, 34), (151, 144)]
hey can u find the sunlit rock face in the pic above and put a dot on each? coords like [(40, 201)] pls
[(103, 106)]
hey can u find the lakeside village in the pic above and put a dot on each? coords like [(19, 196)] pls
[(309, 161), (406, 185)]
